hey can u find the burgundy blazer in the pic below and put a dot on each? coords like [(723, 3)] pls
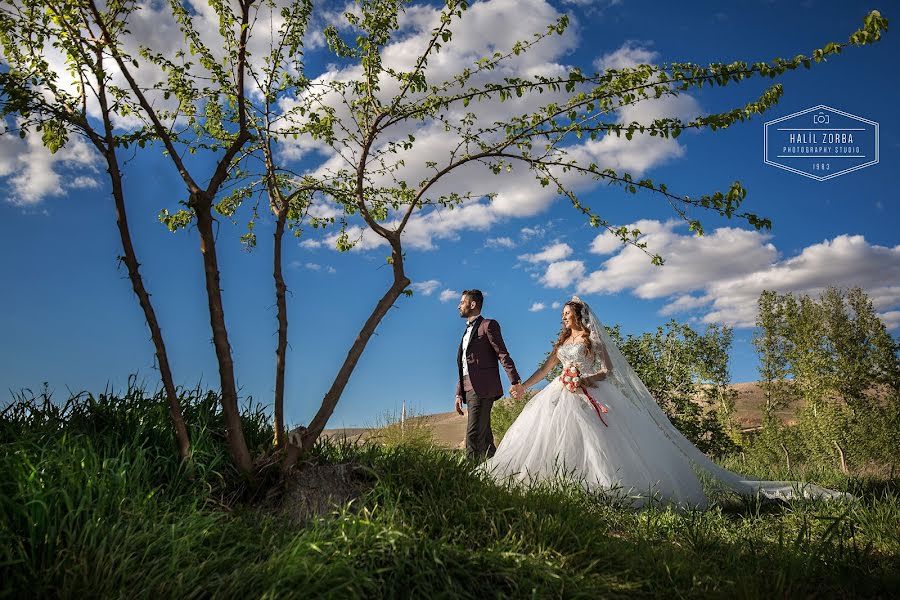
[(486, 349)]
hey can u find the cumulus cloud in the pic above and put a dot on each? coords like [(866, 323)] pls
[(310, 243), (891, 319), (691, 261), (538, 231), (448, 295), (719, 276), (426, 288), (563, 274), (500, 242), (630, 54), (33, 173), (537, 306), (845, 261), (556, 305), (551, 253), (311, 266)]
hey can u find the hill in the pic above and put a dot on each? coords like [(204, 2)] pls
[(449, 428)]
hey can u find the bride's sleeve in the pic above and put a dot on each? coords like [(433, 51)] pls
[(602, 363)]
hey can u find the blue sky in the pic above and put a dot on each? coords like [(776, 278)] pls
[(69, 316)]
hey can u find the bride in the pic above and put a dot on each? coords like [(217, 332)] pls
[(599, 424)]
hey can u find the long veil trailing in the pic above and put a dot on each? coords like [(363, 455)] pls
[(623, 376)]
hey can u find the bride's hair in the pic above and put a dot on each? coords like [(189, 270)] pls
[(578, 311)]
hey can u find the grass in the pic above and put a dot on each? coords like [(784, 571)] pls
[(93, 502), (410, 430)]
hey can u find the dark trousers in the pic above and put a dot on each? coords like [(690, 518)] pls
[(479, 437)]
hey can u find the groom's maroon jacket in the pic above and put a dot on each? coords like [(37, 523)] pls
[(485, 350)]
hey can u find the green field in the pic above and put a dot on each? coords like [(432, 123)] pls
[(95, 503)]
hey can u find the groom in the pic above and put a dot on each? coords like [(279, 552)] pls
[(479, 384)]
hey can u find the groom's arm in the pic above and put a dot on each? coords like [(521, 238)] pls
[(496, 339)]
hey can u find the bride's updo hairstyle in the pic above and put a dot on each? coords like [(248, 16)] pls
[(578, 310)]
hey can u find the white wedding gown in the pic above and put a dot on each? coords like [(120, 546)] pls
[(637, 456)]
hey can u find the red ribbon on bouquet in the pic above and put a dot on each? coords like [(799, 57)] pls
[(598, 407), (571, 378)]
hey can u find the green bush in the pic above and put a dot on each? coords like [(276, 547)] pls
[(504, 412)]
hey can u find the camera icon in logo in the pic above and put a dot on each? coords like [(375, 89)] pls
[(821, 118)]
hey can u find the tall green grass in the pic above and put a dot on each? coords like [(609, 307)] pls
[(96, 503)]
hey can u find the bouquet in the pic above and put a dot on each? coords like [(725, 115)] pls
[(571, 378)]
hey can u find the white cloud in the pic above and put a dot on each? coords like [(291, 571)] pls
[(562, 274), (537, 306), (550, 253), (313, 266), (537, 231), (35, 174), (500, 242), (85, 182), (556, 305), (691, 261), (630, 54), (845, 261), (448, 295), (426, 288), (310, 243), (605, 243), (721, 274), (891, 319)]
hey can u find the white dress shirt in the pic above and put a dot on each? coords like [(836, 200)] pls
[(467, 337)]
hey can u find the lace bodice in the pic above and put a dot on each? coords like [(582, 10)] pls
[(576, 354)]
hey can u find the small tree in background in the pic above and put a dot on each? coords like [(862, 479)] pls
[(687, 374), (844, 365)]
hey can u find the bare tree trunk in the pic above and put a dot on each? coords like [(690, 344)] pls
[(281, 350), (312, 432), (787, 457), (108, 148), (840, 450), (234, 433), (137, 283)]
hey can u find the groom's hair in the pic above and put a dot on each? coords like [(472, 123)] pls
[(475, 296)]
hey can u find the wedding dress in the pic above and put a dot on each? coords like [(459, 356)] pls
[(613, 437)]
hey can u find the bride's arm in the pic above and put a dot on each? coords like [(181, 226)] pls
[(542, 371), (605, 367)]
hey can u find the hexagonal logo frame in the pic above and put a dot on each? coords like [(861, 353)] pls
[(821, 143)]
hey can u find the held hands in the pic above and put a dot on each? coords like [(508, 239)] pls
[(459, 405), (517, 391)]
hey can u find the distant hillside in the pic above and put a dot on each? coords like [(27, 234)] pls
[(450, 428)]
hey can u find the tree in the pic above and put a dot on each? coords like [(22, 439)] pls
[(771, 345), (843, 362), (222, 103), (35, 94), (288, 193), (686, 372)]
